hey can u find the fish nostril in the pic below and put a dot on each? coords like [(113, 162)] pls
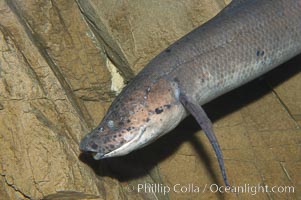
[(100, 129), (86, 145)]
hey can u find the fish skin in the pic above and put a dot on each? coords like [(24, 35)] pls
[(245, 40)]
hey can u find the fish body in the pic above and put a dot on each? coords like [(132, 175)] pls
[(245, 40)]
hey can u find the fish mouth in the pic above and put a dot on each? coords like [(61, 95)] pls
[(127, 147), (98, 156), (124, 149)]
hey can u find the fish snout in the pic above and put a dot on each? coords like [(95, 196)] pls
[(100, 145)]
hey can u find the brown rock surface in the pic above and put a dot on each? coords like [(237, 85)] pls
[(62, 63)]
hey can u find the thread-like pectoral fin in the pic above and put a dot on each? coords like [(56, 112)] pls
[(201, 117)]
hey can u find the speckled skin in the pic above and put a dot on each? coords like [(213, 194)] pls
[(247, 39)]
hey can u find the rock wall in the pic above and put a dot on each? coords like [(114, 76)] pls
[(63, 61)]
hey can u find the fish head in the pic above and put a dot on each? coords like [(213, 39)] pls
[(138, 116)]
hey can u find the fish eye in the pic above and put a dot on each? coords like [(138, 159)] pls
[(110, 124)]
